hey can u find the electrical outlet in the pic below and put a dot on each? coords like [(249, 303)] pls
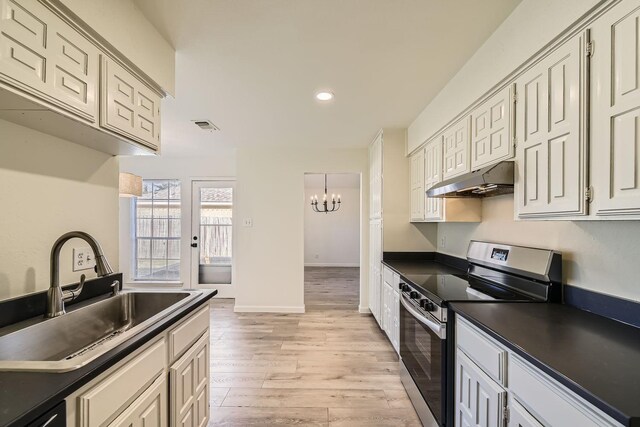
[(83, 259), (248, 222), (443, 242)]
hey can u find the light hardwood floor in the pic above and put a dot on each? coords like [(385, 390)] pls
[(330, 366)]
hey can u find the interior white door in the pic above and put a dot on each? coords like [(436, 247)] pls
[(552, 150), (212, 236), (616, 112)]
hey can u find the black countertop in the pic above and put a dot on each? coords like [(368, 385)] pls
[(595, 357), (26, 395), (408, 268)]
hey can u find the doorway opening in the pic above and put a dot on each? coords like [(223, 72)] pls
[(332, 242), (212, 235)]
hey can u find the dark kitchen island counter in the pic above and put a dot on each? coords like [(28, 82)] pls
[(595, 357)]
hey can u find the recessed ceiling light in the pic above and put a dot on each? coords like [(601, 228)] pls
[(324, 96)]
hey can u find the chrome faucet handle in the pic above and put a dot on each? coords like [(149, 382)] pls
[(115, 288), (72, 294)]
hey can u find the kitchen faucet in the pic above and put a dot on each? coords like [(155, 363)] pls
[(56, 297)]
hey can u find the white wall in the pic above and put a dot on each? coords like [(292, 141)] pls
[(48, 187), (597, 255), (123, 25), (270, 190), (533, 24), (221, 166), (333, 240)]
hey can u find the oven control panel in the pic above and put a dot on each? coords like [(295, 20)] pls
[(423, 303)]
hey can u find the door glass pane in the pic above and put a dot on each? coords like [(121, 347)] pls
[(215, 242)]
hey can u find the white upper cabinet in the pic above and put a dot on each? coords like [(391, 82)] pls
[(44, 57), (417, 186), (456, 149), (375, 178), (492, 130), (432, 176), (551, 149), (129, 107), (615, 115)]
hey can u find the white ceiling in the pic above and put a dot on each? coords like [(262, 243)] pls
[(253, 66), (334, 180)]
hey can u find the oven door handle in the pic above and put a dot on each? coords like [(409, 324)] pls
[(437, 328)]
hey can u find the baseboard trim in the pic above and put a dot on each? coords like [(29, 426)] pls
[(331, 264), (267, 309), (364, 310)]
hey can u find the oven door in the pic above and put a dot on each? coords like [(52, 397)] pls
[(423, 352)]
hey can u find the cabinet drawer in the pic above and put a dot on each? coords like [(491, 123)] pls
[(188, 332), (482, 350), (548, 401), (105, 401), (150, 409), (387, 274)]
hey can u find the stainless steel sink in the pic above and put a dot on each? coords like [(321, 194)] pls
[(74, 339)]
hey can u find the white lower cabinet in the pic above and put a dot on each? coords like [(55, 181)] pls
[(480, 401), (529, 398), (150, 409), (391, 303), (520, 417), (189, 382), (151, 387)]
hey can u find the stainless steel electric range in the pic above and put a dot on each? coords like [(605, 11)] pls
[(496, 273)]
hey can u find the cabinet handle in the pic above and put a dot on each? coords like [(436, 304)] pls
[(50, 420)]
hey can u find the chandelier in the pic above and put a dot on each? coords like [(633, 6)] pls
[(324, 207)]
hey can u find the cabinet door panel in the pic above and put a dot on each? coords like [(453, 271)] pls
[(75, 71), (189, 378), (150, 409), (433, 175), (491, 130), (480, 401), (417, 166), (456, 149), (616, 111), (40, 54), (128, 106), (552, 149), (23, 42), (519, 417)]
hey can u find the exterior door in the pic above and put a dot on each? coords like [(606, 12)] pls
[(212, 236)]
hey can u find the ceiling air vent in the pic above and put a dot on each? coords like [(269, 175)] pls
[(206, 125)]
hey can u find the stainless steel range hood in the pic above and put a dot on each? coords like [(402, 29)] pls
[(488, 181)]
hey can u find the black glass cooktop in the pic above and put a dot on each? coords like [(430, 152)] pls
[(443, 288)]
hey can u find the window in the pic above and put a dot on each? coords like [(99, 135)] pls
[(157, 231), (215, 225)]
